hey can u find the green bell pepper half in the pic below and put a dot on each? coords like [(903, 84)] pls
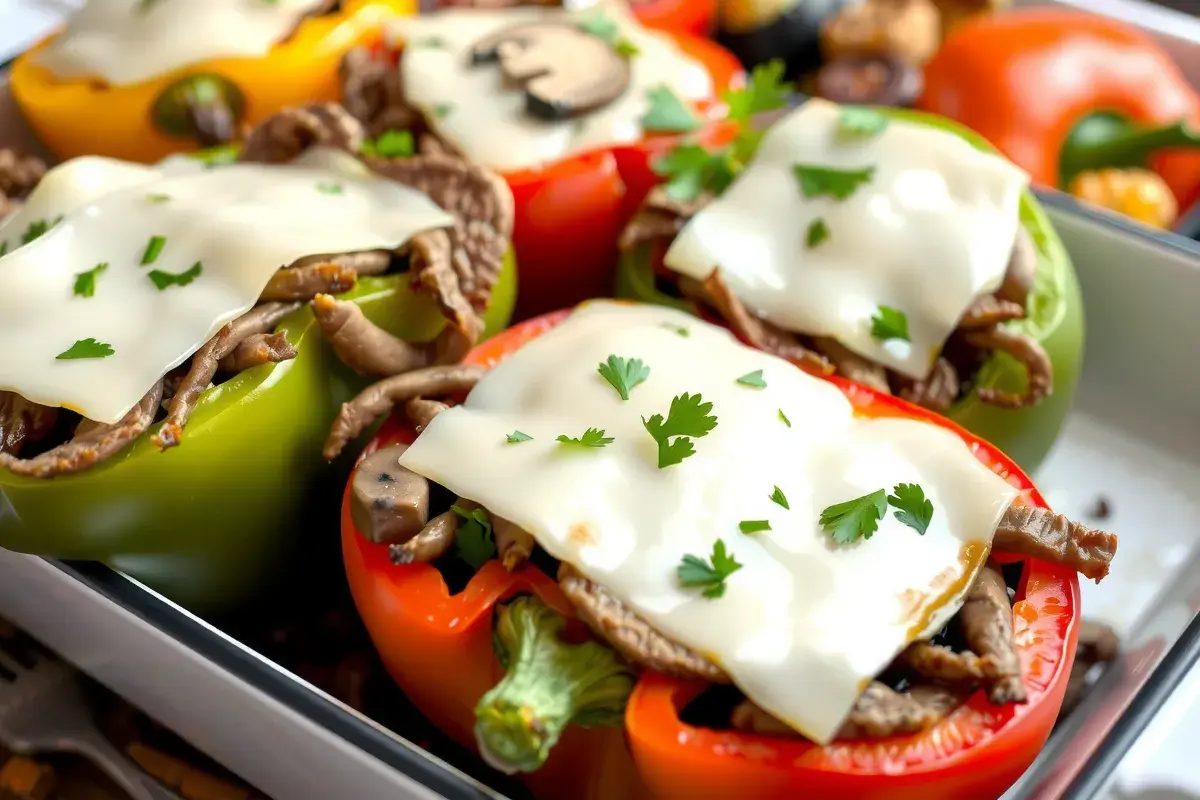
[(1054, 318), (207, 522)]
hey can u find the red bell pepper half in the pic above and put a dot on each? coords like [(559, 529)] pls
[(438, 646)]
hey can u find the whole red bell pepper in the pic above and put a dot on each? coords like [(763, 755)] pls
[(1063, 92), (438, 646)]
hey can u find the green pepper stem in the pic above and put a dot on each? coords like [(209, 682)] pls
[(1107, 140), (548, 685)]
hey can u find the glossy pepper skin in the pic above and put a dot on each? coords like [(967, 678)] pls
[(1055, 319), (77, 116), (1060, 91), (204, 522), (693, 17), (438, 648)]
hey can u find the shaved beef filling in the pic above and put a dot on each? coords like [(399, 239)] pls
[(925, 683), (457, 268), (980, 332)]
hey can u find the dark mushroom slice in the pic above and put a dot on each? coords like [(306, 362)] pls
[(388, 503), (420, 412), (1022, 270), (206, 107), (989, 310), (566, 71), (285, 135), (18, 173), (433, 542), (875, 80), (1026, 350), (256, 350), (306, 282), (936, 391), (259, 319), (375, 401), (23, 422), (1041, 533), (629, 634), (851, 365), (987, 625), (514, 544), (98, 443), (940, 664)]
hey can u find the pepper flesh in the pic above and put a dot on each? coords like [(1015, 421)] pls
[(693, 17), (437, 648), (1106, 95), (205, 522), (76, 117), (1054, 317)]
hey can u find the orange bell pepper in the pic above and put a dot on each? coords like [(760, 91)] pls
[(438, 647), (1062, 92), (80, 116)]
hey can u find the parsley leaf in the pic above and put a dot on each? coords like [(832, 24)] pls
[(86, 348), (37, 228), (592, 437), (329, 187), (754, 525), (858, 121), (818, 232), (888, 323), (3, 248), (442, 110), (626, 48), (429, 42), (624, 374), (678, 329), (691, 171), (218, 156), (779, 498), (516, 437), (474, 536), (914, 510), (828, 182), (600, 25), (85, 282), (754, 379), (689, 416), (783, 418), (153, 248), (165, 280), (389, 144), (667, 112), (854, 519), (694, 571), (765, 91), (157, 198)]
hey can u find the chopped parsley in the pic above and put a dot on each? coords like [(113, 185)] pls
[(157, 198), (389, 144), (153, 248), (329, 187), (516, 437), (829, 182), (474, 536), (754, 379), (624, 374), (85, 282), (667, 112), (592, 437), (749, 526), (688, 418), (86, 348), (765, 91), (218, 156), (913, 509), (854, 519), (429, 43), (3, 248), (696, 572), (783, 418), (818, 232), (165, 280), (626, 48), (678, 329), (442, 110), (691, 171), (37, 228), (598, 24), (858, 121), (888, 323), (779, 498)]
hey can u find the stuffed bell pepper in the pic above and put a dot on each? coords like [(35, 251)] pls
[(140, 79), (643, 559), (885, 245), (571, 105), (165, 388), (1110, 120)]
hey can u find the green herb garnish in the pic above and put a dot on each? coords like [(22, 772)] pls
[(779, 498), (389, 144), (783, 418), (599, 24), (516, 437), (626, 48), (592, 437), (474, 536), (749, 526), (828, 182), (157, 198), (913, 509), (818, 232), (624, 374), (442, 110), (859, 121), (765, 91), (86, 348), (754, 379), (37, 228), (85, 282), (329, 187), (153, 248), (694, 571), (855, 519), (667, 112), (429, 43), (690, 171), (164, 280), (888, 323), (688, 418), (678, 329)]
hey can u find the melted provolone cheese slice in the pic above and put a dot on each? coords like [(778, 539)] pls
[(486, 120), (127, 41), (805, 623), (240, 223), (930, 232)]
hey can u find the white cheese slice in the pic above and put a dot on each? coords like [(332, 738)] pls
[(128, 41), (240, 223), (805, 623), (930, 232), (486, 120)]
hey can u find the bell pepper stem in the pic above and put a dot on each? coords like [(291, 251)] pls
[(548, 685), (1107, 140)]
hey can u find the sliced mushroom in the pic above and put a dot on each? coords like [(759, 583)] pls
[(388, 503), (433, 542), (1041, 533), (987, 625), (566, 70)]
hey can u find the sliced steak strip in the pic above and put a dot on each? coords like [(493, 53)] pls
[(433, 542), (851, 365), (364, 346), (1039, 371), (937, 391), (660, 217), (373, 91), (629, 634), (367, 262), (259, 349), (989, 310), (939, 664), (388, 503), (22, 421), (286, 134), (420, 412), (987, 624), (1041, 533), (18, 174), (377, 400), (305, 283), (1022, 270), (514, 544)]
